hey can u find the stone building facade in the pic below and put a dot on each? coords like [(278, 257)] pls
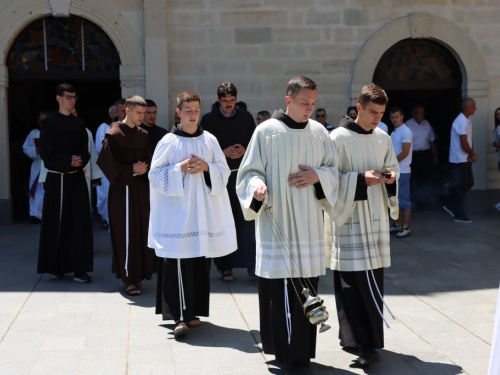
[(174, 45)]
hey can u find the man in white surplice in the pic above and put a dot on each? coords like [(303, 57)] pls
[(368, 171), (191, 219), (290, 164)]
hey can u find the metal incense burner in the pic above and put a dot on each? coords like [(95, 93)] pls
[(315, 311), (313, 306)]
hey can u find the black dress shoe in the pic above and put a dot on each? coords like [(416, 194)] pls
[(368, 355)]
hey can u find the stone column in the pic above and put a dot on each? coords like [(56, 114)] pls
[(156, 57), (5, 198), (133, 80)]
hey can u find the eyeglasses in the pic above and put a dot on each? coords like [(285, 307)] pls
[(320, 116), (258, 118), (71, 97), (224, 101)]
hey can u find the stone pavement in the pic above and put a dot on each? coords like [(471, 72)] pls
[(442, 287)]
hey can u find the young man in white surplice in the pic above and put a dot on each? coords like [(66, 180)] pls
[(191, 219)]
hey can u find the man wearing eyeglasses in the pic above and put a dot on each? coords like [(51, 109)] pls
[(66, 243), (321, 118), (233, 129)]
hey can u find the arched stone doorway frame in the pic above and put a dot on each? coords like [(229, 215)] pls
[(18, 14), (475, 82)]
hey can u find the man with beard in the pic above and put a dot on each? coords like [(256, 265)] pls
[(233, 129)]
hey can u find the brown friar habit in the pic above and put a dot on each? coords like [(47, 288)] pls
[(122, 147), (66, 243)]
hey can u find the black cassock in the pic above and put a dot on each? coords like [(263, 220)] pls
[(195, 276), (231, 130), (66, 240), (155, 134), (273, 322)]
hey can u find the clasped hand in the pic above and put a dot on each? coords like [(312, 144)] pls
[(194, 165), (234, 152), (76, 161), (140, 167)]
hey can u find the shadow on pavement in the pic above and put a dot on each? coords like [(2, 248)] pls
[(314, 368), (211, 335)]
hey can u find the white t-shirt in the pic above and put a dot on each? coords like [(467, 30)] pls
[(399, 136), (461, 126), (422, 134), (383, 126)]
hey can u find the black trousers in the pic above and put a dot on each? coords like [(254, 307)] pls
[(461, 181)]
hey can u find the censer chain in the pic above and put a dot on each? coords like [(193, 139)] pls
[(276, 228)]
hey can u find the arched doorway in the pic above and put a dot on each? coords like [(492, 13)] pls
[(422, 72), (47, 52)]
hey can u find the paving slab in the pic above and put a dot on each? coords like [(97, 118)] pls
[(442, 287)]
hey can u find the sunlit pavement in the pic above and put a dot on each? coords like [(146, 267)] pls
[(442, 287)]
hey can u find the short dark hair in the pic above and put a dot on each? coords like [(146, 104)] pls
[(319, 110), (65, 87), (134, 100), (374, 94), (187, 97), (150, 103), (298, 83), (396, 109), (226, 88), (351, 108), (120, 101), (265, 114), (242, 105)]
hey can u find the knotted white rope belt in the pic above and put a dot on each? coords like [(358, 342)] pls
[(61, 200), (182, 301), (127, 226), (288, 314), (380, 295)]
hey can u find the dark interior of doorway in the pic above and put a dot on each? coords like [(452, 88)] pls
[(26, 99), (441, 107)]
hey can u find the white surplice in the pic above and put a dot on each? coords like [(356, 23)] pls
[(102, 190), (188, 218), (274, 153), (360, 229), (29, 148)]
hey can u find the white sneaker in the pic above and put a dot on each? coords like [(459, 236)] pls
[(404, 232), (394, 229)]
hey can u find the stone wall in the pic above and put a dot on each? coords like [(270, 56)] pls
[(260, 44)]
